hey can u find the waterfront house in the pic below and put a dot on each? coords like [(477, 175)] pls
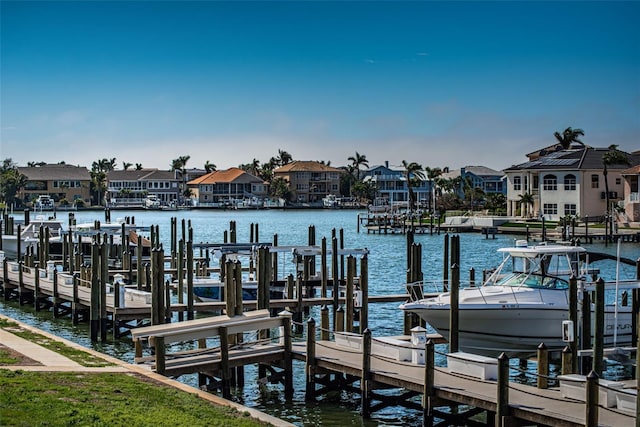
[(231, 187), (488, 180), (310, 181), (61, 182), (631, 178), (130, 187), (564, 182), (391, 186)]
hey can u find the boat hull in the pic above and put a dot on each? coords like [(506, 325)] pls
[(515, 330)]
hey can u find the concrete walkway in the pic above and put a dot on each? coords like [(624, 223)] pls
[(52, 361)]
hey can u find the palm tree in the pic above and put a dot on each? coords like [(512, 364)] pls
[(138, 166), (126, 165), (612, 157), (413, 173), (98, 173), (568, 136), (209, 167), (283, 158), (357, 161), (432, 175), (180, 164), (526, 201)]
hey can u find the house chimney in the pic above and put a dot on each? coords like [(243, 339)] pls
[(386, 164)]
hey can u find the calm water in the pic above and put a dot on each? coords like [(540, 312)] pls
[(387, 265)]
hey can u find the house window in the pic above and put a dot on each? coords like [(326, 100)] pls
[(570, 209), (595, 181), (550, 209), (549, 183), (517, 183), (569, 182), (618, 181)]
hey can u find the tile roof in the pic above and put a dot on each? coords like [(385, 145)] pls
[(235, 175), (142, 174), (56, 172), (306, 166)]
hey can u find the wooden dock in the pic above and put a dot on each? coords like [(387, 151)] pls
[(364, 365)]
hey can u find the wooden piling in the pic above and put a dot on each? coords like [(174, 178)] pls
[(94, 316), (454, 315), (364, 294), (429, 380), (310, 388), (543, 366), (573, 316), (567, 361), (502, 401), (598, 342), (365, 386), (591, 417), (351, 271)]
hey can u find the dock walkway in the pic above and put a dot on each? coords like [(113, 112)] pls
[(526, 403)]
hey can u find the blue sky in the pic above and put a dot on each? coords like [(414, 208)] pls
[(439, 83)]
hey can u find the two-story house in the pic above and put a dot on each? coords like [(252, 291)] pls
[(61, 182), (564, 182), (310, 181), (391, 186), (233, 187), (132, 186)]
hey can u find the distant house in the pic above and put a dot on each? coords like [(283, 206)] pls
[(564, 182), (58, 181), (391, 186), (310, 181), (227, 187), (132, 186), (488, 180), (631, 193)]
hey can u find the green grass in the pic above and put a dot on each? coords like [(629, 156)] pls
[(79, 356), (104, 399), (6, 359)]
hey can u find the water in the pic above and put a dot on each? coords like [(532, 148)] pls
[(387, 270)]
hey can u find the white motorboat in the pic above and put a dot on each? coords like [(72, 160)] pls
[(30, 234), (522, 303)]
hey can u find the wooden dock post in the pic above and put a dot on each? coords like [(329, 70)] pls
[(224, 362), (189, 265), (365, 386), (94, 317), (598, 342), (454, 315), (364, 294), (335, 289), (323, 268), (324, 323), (585, 337), (573, 316), (445, 266), (502, 401), (429, 380), (104, 278), (567, 361), (543, 366), (339, 320), (591, 417), (310, 389), (351, 272), (288, 356)]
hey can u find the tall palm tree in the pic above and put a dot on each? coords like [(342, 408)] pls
[(432, 175), (283, 158), (209, 167), (612, 157), (413, 173), (180, 164), (126, 165), (357, 161), (138, 166), (569, 136)]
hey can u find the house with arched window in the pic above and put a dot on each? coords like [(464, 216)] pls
[(562, 183)]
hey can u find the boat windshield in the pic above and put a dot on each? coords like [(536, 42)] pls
[(532, 281)]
